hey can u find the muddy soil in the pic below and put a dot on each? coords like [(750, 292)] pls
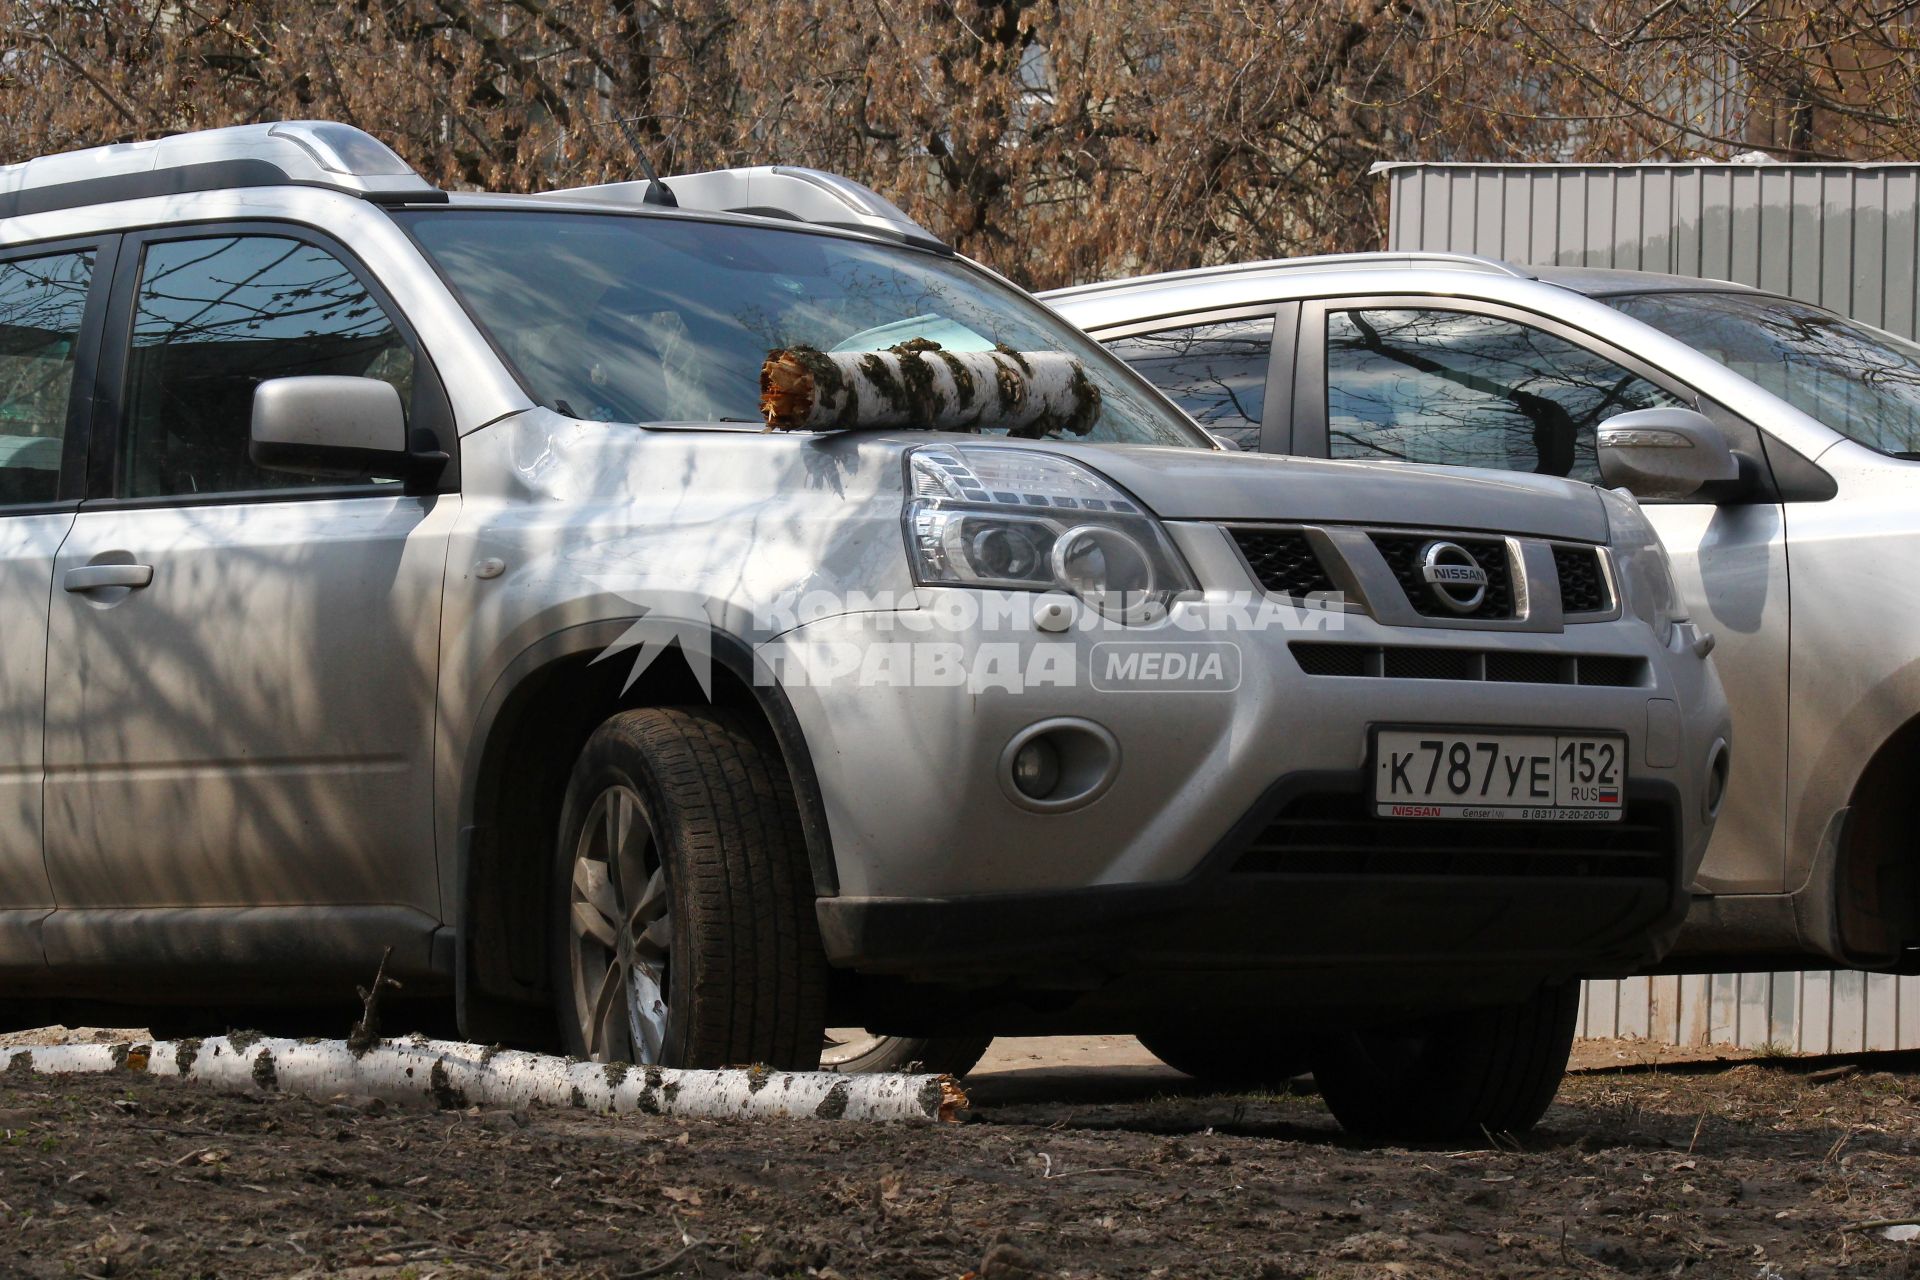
[(1756, 1170)]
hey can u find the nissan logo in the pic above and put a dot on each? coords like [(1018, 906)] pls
[(1454, 576)]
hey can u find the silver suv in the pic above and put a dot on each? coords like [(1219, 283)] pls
[(390, 568), (1794, 559)]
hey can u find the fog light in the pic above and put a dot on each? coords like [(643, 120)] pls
[(1036, 769), (1058, 765)]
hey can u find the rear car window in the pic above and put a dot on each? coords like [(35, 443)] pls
[(1217, 372)]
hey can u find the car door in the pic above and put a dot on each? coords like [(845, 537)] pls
[(1465, 383), (240, 694), (47, 347)]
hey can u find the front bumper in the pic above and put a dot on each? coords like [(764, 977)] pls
[(1307, 886)]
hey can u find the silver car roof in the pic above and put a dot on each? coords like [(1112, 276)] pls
[(337, 157), (1603, 282), (1245, 279), (588, 200), (1273, 268)]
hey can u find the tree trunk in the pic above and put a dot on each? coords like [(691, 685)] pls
[(448, 1074), (917, 384)]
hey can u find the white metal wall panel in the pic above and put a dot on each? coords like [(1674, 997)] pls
[(1814, 1012), (1844, 236)]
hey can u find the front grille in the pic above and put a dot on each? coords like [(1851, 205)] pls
[(1283, 561), (1403, 551), (1430, 664), (1334, 834), (1336, 659), (1583, 587), (1528, 668), (1618, 672), (1411, 662)]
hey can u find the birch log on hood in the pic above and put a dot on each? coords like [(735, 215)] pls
[(918, 384)]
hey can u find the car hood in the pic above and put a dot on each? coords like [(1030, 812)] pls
[(1198, 484), (579, 458)]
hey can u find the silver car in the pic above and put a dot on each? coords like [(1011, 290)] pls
[(384, 568), (1794, 563)]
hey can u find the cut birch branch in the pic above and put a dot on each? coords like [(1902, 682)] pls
[(449, 1074), (918, 384), (365, 1034)]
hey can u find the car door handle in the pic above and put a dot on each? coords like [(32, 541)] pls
[(92, 577)]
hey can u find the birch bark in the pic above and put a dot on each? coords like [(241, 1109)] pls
[(1028, 394), (448, 1074)]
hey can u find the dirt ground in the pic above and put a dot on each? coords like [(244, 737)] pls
[(1102, 1167)]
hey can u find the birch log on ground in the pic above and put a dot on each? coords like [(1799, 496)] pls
[(919, 384), (449, 1074)]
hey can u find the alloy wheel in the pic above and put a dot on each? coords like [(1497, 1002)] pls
[(622, 932), (842, 1045)]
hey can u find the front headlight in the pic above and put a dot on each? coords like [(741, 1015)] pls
[(1641, 565), (1019, 519)]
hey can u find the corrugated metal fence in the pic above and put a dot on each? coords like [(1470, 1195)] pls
[(1817, 1012), (1844, 236)]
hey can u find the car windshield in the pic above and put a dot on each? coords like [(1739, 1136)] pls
[(634, 318), (1861, 381)]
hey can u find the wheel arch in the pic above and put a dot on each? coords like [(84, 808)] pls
[(530, 730), (1877, 879)]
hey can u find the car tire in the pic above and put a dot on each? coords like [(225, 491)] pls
[(683, 907), (1234, 1057), (1458, 1076), (857, 1053)]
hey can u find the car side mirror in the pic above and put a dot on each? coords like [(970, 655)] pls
[(1668, 452), (336, 427), (1231, 446)]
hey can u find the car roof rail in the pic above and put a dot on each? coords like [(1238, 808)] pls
[(1378, 260), (775, 191), (308, 153)]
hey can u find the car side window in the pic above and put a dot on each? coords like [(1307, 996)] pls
[(42, 302), (1216, 372), (1465, 389), (213, 319)]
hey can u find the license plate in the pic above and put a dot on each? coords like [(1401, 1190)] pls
[(1499, 775)]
